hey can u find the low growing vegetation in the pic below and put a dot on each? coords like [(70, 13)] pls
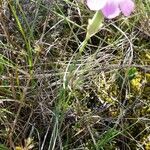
[(52, 97)]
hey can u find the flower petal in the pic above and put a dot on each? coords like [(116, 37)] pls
[(126, 7), (96, 4), (111, 9)]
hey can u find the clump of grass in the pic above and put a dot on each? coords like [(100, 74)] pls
[(52, 97)]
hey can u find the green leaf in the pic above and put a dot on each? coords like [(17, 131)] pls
[(3, 147), (93, 27), (107, 137), (132, 73), (1, 68), (94, 24)]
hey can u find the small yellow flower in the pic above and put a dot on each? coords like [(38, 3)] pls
[(28, 145), (136, 83), (19, 148)]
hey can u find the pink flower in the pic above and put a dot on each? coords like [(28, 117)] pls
[(112, 8)]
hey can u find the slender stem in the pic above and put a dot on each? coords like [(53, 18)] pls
[(83, 45)]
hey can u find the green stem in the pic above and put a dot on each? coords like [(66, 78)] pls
[(83, 45)]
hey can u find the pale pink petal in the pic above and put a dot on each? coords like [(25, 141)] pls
[(126, 7), (111, 9), (96, 4)]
